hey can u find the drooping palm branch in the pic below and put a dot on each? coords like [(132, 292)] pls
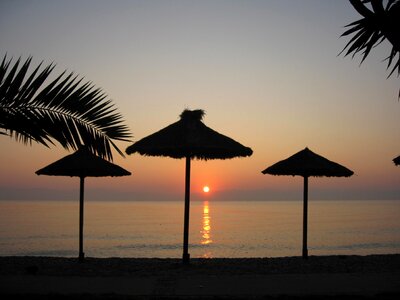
[(65, 110), (379, 23)]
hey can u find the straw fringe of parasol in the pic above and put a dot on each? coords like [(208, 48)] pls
[(308, 163), (189, 137), (82, 163)]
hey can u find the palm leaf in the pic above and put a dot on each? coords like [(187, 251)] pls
[(397, 64), (380, 23), (65, 110)]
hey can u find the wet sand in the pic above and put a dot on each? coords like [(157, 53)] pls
[(319, 277)]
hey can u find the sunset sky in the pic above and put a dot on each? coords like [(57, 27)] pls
[(267, 73)]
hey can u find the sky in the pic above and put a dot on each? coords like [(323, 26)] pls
[(267, 74)]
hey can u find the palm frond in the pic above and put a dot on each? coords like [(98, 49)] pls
[(397, 64), (65, 110), (379, 24)]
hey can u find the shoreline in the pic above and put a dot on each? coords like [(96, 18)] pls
[(321, 277), (115, 266)]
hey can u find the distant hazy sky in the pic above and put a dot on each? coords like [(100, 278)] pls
[(267, 73)]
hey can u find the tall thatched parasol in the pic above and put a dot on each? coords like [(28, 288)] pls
[(307, 163), (397, 160), (189, 138), (82, 164)]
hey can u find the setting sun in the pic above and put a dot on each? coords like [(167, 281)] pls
[(206, 189)]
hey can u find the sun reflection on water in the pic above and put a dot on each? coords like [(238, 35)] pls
[(206, 229)]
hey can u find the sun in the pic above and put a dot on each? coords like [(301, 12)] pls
[(206, 189)]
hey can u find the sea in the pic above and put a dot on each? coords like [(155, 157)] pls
[(217, 228)]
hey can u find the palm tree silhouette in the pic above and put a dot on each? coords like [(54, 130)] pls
[(379, 23), (65, 110)]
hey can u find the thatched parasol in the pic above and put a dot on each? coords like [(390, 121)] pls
[(307, 163), (82, 164), (189, 138), (397, 160)]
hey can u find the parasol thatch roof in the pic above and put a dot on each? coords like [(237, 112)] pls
[(83, 163), (189, 137), (397, 160), (307, 163)]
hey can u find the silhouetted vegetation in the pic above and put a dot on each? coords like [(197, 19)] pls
[(65, 110), (380, 22)]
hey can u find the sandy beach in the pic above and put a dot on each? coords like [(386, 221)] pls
[(319, 277)]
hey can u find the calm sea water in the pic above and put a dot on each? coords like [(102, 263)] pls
[(217, 229)]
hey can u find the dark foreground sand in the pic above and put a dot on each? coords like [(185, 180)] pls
[(319, 277)]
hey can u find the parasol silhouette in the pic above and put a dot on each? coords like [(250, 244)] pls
[(189, 138), (82, 163), (307, 163)]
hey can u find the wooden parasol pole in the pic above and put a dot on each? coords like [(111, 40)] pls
[(186, 255), (305, 217), (81, 253)]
